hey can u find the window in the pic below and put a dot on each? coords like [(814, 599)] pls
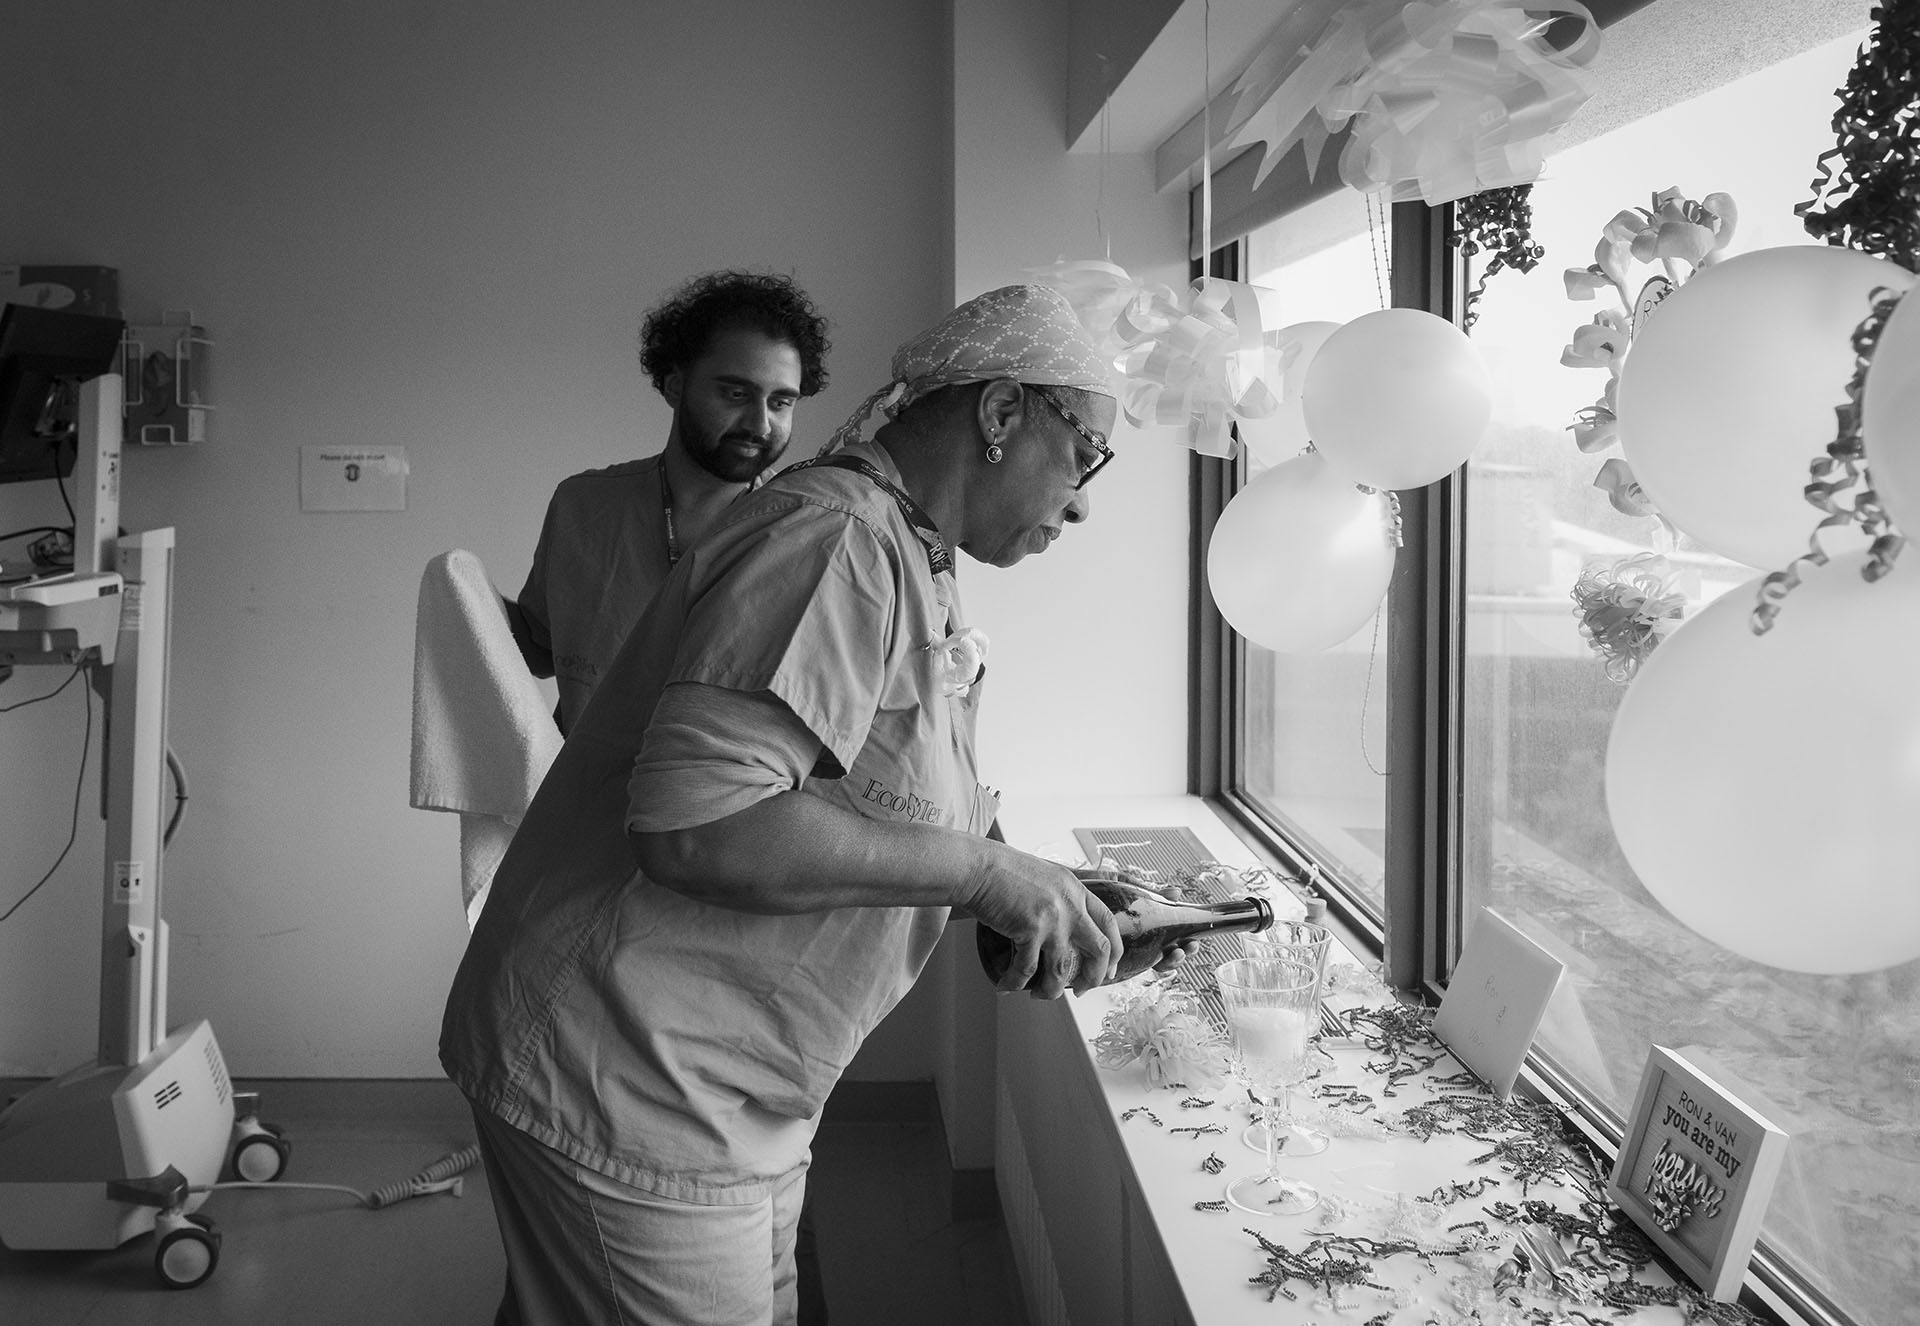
[(1312, 727), (1838, 1058)]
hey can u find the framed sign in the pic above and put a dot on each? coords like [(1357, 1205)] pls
[(1695, 1170)]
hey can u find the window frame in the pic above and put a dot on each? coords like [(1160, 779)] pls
[(1425, 655)]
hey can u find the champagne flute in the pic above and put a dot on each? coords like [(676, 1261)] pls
[(1270, 1004), (1305, 942)]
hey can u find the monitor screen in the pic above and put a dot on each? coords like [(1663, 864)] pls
[(44, 355)]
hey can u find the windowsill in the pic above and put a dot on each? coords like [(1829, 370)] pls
[(1202, 1259)]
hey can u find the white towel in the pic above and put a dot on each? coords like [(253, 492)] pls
[(482, 733)]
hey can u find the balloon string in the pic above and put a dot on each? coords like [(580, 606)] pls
[(1206, 135), (1366, 695), (1106, 149), (1374, 247)]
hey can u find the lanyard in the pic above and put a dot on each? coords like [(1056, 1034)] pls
[(938, 558), (666, 509)]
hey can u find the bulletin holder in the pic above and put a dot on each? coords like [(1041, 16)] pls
[(1695, 1170), (166, 370)]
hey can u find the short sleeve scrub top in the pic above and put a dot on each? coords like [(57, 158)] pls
[(682, 1048)]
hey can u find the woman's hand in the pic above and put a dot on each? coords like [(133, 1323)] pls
[(1174, 956), (1063, 937)]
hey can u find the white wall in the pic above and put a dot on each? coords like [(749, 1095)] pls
[(407, 225), (1087, 682), (421, 225)]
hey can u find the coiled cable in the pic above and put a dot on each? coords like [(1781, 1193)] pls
[(443, 1175)]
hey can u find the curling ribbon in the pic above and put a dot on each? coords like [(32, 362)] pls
[(1113, 307), (1202, 358), (1615, 479), (1446, 99)]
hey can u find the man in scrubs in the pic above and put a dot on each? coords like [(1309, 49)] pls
[(785, 748), (733, 353)]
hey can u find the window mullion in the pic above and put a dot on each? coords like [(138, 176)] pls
[(1425, 616)]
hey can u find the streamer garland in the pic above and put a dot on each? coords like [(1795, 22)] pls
[(1872, 201), (1498, 222)]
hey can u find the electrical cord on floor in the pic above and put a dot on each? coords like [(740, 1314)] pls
[(443, 1175)]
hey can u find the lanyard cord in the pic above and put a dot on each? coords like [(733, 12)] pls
[(666, 509), (938, 558)]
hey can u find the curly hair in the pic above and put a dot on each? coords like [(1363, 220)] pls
[(679, 330)]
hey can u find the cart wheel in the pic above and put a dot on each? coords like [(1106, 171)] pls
[(262, 1157), (187, 1255)]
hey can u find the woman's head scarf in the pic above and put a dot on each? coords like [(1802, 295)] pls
[(1025, 332)]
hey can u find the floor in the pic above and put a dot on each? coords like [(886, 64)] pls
[(883, 1194)]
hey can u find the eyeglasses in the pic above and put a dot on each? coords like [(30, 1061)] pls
[(1097, 440)]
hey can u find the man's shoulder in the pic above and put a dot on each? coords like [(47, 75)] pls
[(625, 471), (613, 485)]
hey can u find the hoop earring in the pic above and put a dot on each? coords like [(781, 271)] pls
[(994, 454)]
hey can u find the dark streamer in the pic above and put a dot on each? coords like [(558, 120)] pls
[(1498, 222), (1867, 188)]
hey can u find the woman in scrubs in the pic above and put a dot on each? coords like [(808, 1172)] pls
[(751, 842)]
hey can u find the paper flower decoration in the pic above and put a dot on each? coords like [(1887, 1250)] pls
[(1445, 99), (1163, 1027), (959, 660), (1680, 235), (1626, 609)]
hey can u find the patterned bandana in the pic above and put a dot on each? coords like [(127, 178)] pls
[(1025, 332)]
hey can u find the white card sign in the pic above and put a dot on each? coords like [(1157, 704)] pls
[(1495, 999)]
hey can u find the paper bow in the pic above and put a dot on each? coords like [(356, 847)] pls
[(1446, 99), (1202, 358), (1626, 609), (1115, 309), (1153, 1021)]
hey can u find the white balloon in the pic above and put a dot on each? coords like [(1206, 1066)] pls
[(1397, 398), (1890, 418), (1729, 392), (1283, 433), (1300, 557), (1766, 789)]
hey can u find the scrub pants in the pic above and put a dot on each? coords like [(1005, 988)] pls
[(583, 1248)]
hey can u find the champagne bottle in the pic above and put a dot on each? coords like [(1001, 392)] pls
[(1150, 924)]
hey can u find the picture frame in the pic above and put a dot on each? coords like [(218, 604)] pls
[(1695, 1171)]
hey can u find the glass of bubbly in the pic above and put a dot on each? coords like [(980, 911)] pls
[(1305, 942)]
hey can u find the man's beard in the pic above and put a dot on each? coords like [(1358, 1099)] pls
[(713, 453)]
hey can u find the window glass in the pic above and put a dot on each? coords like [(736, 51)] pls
[(1312, 726), (1837, 1059)]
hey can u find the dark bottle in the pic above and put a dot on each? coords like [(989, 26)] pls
[(1150, 924)]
